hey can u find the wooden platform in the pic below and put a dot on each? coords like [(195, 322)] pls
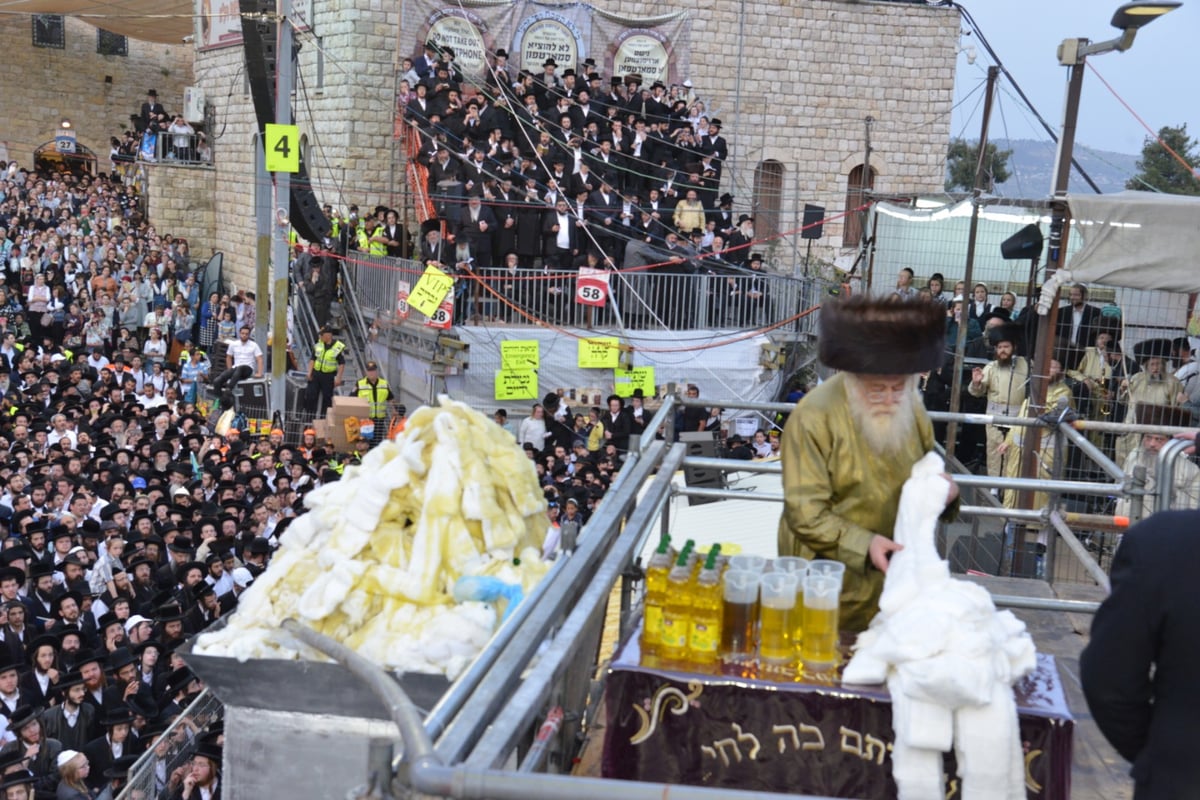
[(1098, 773)]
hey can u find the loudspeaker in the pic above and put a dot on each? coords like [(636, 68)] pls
[(259, 32), (814, 221), (1025, 243), (702, 445), (305, 213)]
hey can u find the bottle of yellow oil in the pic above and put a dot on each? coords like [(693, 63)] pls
[(707, 599), (676, 618), (656, 596)]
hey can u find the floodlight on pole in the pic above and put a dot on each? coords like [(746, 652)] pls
[(1072, 53)]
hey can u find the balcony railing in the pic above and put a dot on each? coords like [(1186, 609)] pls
[(638, 299)]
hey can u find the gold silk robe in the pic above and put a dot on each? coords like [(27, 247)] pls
[(838, 493)]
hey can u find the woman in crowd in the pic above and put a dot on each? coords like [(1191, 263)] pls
[(533, 429)]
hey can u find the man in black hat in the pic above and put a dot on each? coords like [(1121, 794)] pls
[(32, 741), (151, 110), (713, 144), (325, 371), (73, 721), (737, 249), (203, 778), (851, 443), (102, 751), (1004, 381)]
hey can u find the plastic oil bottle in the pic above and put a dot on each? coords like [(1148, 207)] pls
[(707, 600), (677, 611), (656, 596)]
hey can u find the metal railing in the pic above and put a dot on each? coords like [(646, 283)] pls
[(638, 299), (175, 747), (191, 149)]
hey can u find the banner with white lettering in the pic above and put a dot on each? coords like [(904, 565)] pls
[(531, 32)]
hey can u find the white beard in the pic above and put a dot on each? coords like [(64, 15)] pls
[(885, 430)]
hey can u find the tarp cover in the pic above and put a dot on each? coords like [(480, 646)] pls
[(166, 21), (1142, 240)]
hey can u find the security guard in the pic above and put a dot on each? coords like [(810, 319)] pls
[(325, 370), (378, 394), (376, 239)]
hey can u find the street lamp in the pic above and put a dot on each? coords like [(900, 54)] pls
[(1072, 53)]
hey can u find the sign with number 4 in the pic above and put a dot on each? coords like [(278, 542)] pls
[(282, 148)]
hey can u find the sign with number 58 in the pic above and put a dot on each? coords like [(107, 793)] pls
[(443, 315), (591, 288)]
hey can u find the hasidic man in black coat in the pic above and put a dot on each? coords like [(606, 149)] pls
[(1139, 671)]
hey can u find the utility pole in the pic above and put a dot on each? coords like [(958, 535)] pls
[(284, 73), (960, 343)]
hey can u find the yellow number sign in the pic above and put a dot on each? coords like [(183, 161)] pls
[(516, 384), (282, 147), (430, 290), (602, 352)]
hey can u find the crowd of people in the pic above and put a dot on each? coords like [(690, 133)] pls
[(557, 171), (128, 525)]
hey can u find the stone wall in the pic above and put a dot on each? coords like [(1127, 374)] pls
[(346, 124), (181, 201), (40, 86), (809, 74)]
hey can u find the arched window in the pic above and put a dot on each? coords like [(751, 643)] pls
[(768, 199), (856, 195)]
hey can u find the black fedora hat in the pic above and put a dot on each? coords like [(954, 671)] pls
[(22, 716), (117, 715), (119, 657)]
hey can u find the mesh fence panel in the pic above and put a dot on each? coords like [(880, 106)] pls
[(148, 777)]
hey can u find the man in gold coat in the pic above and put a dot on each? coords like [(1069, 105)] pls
[(851, 443)]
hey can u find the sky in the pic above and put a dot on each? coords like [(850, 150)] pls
[(1156, 76)]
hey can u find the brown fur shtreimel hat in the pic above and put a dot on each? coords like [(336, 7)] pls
[(878, 336)]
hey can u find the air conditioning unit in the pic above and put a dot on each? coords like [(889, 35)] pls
[(193, 104)]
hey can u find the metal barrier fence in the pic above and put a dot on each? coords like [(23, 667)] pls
[(638, 299), (192, 149), (1078, 525), (174, 749)]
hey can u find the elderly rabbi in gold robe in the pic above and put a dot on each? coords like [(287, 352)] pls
[(851, 443)]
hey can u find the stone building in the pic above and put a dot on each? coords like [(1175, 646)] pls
[(794, 86), (57, 68)]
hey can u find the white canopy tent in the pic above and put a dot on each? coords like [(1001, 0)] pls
[(1139, 240)]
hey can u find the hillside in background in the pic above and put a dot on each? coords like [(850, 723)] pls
[(1031, 168)]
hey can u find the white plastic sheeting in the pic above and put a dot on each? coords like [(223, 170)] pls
[(1140, 240), (729, 370)]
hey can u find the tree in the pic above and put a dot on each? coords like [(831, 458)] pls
[(962, 158), (1159, 170)]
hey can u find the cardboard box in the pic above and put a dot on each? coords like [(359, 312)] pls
[(350, 406)]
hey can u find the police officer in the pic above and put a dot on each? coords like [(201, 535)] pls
[(378, 394), (325, 370)]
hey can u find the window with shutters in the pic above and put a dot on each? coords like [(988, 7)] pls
[(111, 44), (856, 195), (49, 30), (768, 199)]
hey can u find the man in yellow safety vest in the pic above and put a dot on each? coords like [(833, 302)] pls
[(325, 370), (378, 394)]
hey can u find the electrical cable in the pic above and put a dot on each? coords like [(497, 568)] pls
[(1017, 87), (1191, 170)]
